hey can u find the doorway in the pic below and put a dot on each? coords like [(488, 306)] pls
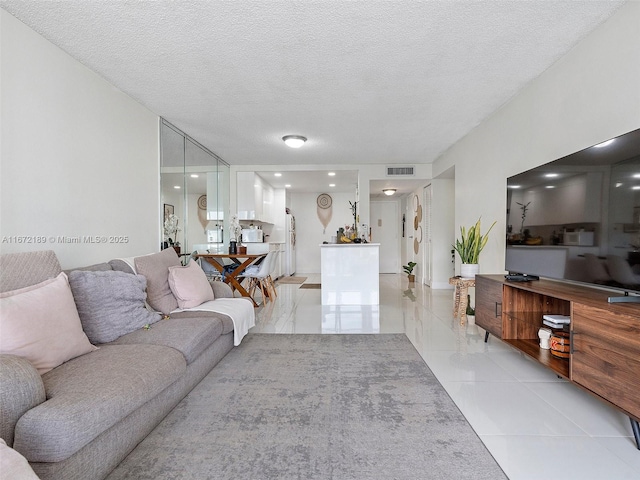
[(385, 230)]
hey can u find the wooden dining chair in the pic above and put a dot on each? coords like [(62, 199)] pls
[(261, 279)]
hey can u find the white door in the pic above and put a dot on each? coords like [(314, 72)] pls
[(426, 237), (386, 230)]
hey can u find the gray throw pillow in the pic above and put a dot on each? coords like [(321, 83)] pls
[(155, 268), (110, 303)]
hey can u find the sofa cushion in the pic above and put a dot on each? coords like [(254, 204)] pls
[(110, 303), (41, 324), (227, 323), (22, 269), (189, 285), (89, 394), (155, 268), (190, 336)]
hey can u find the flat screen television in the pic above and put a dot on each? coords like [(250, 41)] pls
[(578, 218)]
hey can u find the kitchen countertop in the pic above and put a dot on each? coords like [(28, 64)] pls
[(349, 244)]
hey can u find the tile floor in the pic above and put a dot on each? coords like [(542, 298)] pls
[(536, 425)]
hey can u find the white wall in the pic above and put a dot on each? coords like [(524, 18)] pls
[(79, 157), (590, 95), (442, 232), (309, 229)]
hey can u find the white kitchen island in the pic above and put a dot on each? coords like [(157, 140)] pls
[(350, 273)]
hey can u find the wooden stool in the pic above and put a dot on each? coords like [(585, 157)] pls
[(462, 290)]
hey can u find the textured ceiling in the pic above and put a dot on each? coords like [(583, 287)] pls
[(382, 82)]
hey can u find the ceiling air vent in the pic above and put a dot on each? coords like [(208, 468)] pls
[(399, 171)]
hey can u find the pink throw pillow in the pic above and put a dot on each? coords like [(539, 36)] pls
[(41, 324), (190, 285)]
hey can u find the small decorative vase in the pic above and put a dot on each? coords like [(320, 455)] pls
[(412, 278), (469, 270), (233, 247)]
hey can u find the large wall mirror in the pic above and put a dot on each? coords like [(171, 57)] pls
[(195, 194)]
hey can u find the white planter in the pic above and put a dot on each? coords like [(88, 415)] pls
[(469, 270)]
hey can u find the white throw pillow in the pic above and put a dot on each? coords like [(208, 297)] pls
[(13, 465), (190, 285), (41, 324)]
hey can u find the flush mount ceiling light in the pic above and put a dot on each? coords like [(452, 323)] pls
[(389, 191), (604, 144), (294, 141)]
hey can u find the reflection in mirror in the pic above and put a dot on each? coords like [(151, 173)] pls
[(195, 182)]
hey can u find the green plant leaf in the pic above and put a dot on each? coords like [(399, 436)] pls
[(471, 242)]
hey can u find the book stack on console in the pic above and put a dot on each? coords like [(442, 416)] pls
[(556, 321)]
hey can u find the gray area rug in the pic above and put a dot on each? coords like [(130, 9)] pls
[(315, 407)]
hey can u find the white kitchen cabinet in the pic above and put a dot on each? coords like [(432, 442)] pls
[(277, 268), (255, 198)]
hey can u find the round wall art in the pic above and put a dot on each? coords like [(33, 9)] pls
[(324, 209)]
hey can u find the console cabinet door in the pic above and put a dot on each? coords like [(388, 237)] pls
[(606, 355), (489, 305)]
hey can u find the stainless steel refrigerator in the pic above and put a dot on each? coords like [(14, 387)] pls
[(290, 245)]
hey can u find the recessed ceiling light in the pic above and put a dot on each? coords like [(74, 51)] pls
[(551, 175), (619, 184), (637, 187), (294, 141), (604, 144), (389, 191), (177, 187), (288, 185), (515, 186), (332, 184), (332, 174), (277, 174), (549, 186), (194, 175), (636, 175)]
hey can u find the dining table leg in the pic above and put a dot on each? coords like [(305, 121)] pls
[(232, 278)]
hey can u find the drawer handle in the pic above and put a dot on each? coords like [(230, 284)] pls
[(500, 313)]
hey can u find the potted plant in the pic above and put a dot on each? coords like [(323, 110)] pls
[(470, 312), (408, 269), (469, 246)]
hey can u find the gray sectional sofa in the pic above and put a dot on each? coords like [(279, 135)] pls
[(80, 419)]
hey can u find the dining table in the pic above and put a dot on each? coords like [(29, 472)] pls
[(239, 261)]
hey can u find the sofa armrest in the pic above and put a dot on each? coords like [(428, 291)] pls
[(221, 290), (21, 389)]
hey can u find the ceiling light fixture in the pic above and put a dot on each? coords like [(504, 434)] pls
[(294, 141), (389, 191), (277, 174), (332, 184), (551, 175), (604, 144), (332, 174)]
